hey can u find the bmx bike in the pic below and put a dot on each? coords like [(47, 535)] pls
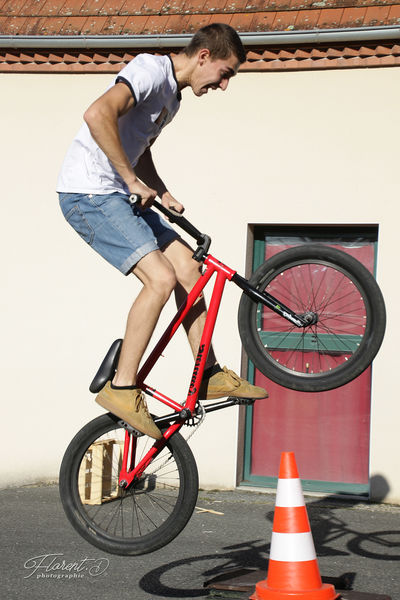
[(128, 494)]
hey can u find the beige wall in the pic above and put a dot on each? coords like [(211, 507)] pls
[(322, 143)]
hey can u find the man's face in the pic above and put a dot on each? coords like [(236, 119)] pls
[(212, 73)]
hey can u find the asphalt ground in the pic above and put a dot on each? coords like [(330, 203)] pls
[(357, 544)]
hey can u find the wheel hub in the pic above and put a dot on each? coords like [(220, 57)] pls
[(310, 318)]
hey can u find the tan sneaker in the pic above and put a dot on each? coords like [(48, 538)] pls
[(227, 383), (129, 405)]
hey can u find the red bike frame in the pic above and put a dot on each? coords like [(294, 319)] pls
[(223, 273)]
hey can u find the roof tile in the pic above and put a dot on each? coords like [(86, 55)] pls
[(110, 7), (157, 24), (152, 6), (197, 21), (51, 8), (30, 26), (90, 7), (265, 22), (85, 57), (242, 22), (177, 24), (77, 25), (284, 20), (13, 25), (32, 7), (135, 25), (376, 15), (225, 18), (12, 7), (330, 18), (307, 19), (353, 17), (71, 8), (114, 25), (194, 6), (52, 25), (278, 5), (304, 4), (394, 15), (133, 7)]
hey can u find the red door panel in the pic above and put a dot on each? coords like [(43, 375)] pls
[(329, 431)]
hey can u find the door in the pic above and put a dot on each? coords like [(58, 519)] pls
[(328, 431)]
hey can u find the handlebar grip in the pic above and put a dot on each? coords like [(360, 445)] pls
[(133, 198)]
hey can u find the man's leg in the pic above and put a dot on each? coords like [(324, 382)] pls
[(158, 278), (121, 396), (187, 272), (217, 382)]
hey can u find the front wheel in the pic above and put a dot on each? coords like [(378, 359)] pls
[(348, 327), (144, 517)]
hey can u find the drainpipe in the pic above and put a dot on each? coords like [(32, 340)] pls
[(273, 38)]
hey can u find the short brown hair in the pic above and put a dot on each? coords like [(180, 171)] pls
[(220, 39)]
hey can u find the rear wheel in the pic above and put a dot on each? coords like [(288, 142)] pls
[(144, 517), (349, 319)]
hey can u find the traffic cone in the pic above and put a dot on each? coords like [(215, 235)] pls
[(293, 571)]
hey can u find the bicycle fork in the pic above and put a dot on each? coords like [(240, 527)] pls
[(303, 320)]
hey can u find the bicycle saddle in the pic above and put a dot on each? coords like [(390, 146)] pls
[(107, 368)]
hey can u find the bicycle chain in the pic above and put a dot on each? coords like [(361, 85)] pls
[(201, 417), (196, 417)]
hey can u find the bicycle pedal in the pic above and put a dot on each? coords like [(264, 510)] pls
[(242, 401), (130, 429)]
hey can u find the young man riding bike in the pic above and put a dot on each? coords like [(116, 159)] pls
[(109, 160)]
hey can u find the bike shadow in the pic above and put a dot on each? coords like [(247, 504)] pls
[(237, 559), (333, 536)]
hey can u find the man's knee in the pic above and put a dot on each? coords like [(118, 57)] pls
[(157, 275), (188, 272), (165, 281)]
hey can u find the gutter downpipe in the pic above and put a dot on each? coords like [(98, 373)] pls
[(273, 38)]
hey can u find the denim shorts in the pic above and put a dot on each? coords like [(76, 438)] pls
[(119, 232)]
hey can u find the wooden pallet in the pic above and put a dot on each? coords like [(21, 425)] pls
[(96, 483)]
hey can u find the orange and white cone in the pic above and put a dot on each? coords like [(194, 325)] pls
[(293, 571)]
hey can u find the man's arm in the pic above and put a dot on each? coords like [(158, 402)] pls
[(102, 119), (146, 170)]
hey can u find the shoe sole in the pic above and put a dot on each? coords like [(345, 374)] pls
[(124, 416)]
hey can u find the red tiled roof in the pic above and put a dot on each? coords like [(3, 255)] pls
[(119, 18), (138, 17)]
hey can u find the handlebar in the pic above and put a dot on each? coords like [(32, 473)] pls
[(202, 239)]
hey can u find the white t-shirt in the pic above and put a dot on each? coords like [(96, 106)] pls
[(151, 79)]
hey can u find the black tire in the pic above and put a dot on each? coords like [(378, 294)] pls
[(146, 516), (350, 327)]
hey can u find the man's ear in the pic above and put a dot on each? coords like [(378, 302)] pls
[(203, 55)]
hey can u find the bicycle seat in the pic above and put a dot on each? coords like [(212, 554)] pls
[(107, 368)]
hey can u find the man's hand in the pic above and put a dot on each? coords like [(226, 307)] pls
[(147, 194), (168, 201)]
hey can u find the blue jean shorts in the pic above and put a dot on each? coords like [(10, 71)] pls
[(119, 232)]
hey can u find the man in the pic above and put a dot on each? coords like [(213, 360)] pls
[(109, 160)]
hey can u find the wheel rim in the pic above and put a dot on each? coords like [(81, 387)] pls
[(342, 316), (132, 515)]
